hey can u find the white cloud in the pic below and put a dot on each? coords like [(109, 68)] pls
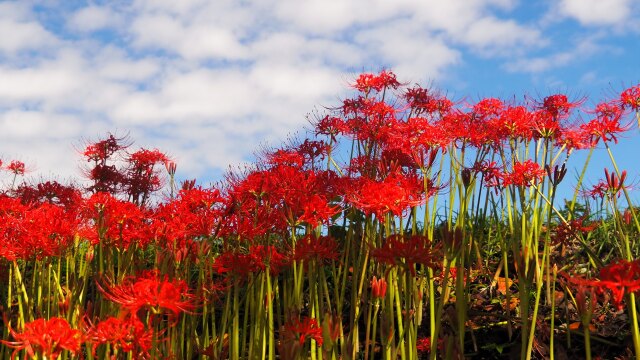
[(94, 18), (581, 49), (20, 35), (409, 51), (191, 41), (596, 12)]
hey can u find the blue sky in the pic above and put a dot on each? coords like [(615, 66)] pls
[(210, 81)]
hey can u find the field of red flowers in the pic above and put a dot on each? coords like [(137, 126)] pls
[(406, 226)]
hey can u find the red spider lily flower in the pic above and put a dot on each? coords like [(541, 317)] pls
[(153, 292), (598, 191), (395, 194), (50, 192), (16, 167), (523, 174), (115, 222), (558, 105), (620, 277), (105, 176), (36, 231), (606, 125), (102, 150), (126, 334), (488, 108), (193, 215), (367, 82), (631, 98), (423, 344), (306, 328), (406, 252), (576, 138), (48, 338), (426, 101), (259, 258), (318, 248), (267, 256), (318, 211), (491, 172), (141, 178), (285, 157), (331, 126), (378, 287), (239, 264), (565, 232)]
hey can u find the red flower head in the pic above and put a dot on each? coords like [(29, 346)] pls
[(16, 167), (304, 329), (524, 174), (558, 105), (316, 248), (46, 337), (405, 252), (367, 82), (126, 334), (620, 277), (152, 291), (115, 222), (631, 98)]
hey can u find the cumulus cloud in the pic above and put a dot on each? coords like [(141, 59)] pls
[(93, 18), (596, 12)]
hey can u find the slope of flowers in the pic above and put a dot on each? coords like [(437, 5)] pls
[(406, 226)]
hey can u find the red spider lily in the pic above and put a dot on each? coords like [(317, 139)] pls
[(193, 215), (306, 328), (576, 138), (115, 222), (609, 187), (319, 248), (395, 194), (102, 150), (330, 126), (259, 258), (523, 174), (367, 82), (39, 231), (620, 277), (424, 101), (488, 108), (154, 292), (104, 176), (48, 338), (491, 172), (142, 178), (318, 211), (16, 167), (126, 334), (515, 122), (267, 256), (558, 105), (378, 287), (565, 232), (407, 251), (606, 125), (631, 98), (50, 192), (423, 344)]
